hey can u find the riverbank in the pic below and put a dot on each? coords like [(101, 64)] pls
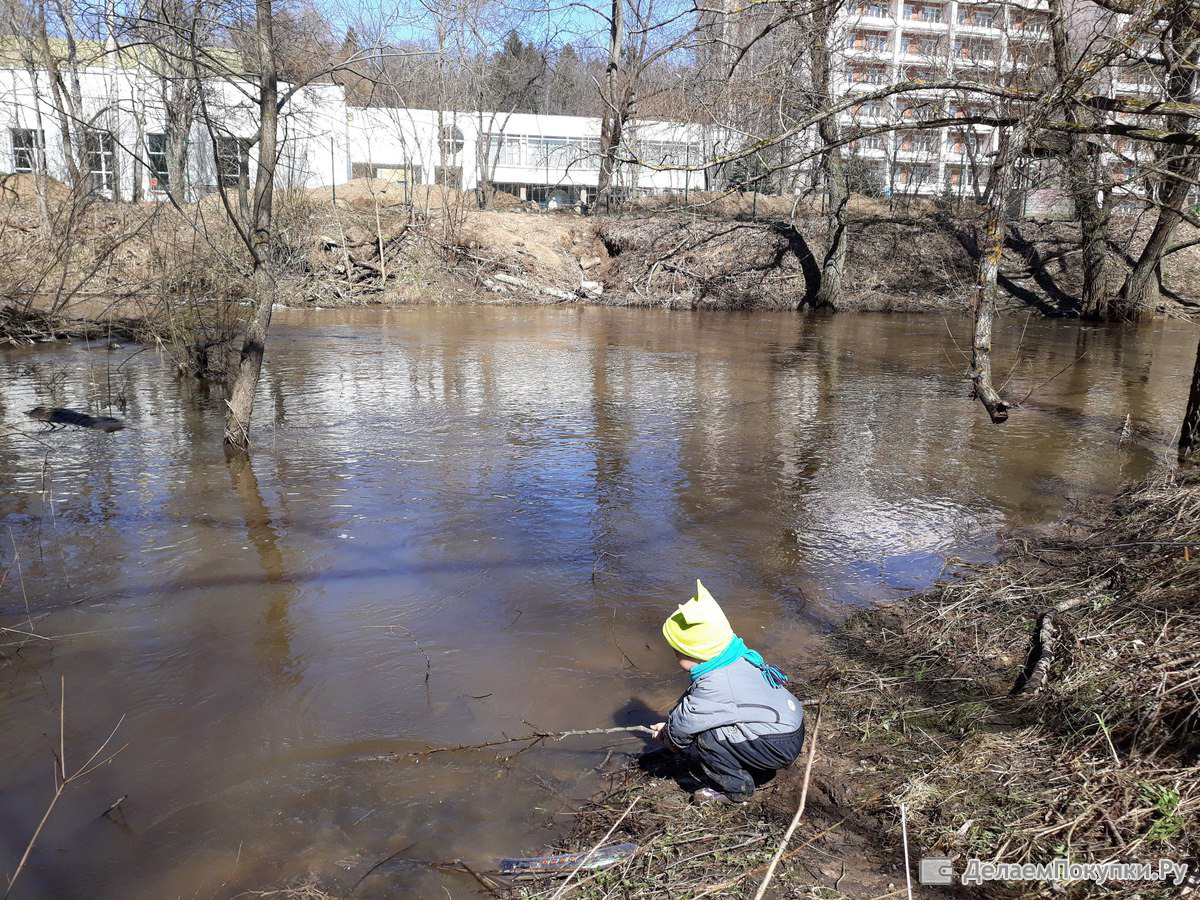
[(373, 242), (1044, 706)]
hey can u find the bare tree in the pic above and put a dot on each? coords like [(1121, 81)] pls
[(258, 236), (1181, 48)]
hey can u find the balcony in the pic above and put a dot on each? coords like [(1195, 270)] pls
[(870, 44), (978, 20), (871, 112), (919, 150), (867, 77), (918, 48), (921, 15), (871, 12)]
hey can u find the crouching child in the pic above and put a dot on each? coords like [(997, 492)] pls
[(736, 722)]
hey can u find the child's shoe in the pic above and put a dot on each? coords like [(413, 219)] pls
[(706, 795)]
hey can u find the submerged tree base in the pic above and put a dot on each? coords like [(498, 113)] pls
[(1044, 706)]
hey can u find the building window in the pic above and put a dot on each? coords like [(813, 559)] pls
[(872, 109), (918, 143), (871, 142), (28, 149), (452, 141), (978, 18), (966, 142), (156, 162), (922, 46), (922, 13), (100, 153), (872, 8), (867, 40), (505, 150), (233, 161), (868, 75)]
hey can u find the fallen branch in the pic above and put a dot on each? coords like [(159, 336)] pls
[(1044, 658), (536, 736)]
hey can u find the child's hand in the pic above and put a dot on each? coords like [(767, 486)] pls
[(660, 735)]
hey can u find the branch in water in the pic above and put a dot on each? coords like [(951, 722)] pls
[(536, 736)]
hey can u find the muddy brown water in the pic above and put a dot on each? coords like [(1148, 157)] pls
[(508, 501)]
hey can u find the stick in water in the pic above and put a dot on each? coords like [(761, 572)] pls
[(787, 835), (536, 736)]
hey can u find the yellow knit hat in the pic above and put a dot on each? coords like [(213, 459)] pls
[(698, 628)]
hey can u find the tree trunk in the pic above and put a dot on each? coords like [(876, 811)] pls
[(613, 122), (1135, 292), (177, 124), (837, 193), (1086, 181), (837, 197), (1093, 214), (1189, 435), (1182, 51), (241, 401), (990, 253)]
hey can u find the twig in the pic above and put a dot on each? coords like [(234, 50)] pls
[(587, 856), (413, 638), (1050, 379), (62, 779), (384, 861), (907, 867), (787, 835)]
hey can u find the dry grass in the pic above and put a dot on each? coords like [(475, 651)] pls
[(1103, 761)]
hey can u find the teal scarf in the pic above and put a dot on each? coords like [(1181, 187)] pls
[(736, 650)]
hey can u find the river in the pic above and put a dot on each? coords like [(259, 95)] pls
[(458, 520)]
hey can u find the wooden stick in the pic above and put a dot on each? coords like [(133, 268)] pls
[(787, 835), (536, 736)]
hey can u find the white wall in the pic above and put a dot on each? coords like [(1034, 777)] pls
[(520, 148)]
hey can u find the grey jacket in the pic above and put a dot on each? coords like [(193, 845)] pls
[(737, 701)]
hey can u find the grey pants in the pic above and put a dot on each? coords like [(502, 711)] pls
[(732, 767)]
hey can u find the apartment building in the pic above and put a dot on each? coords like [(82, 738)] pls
[(887, 41)]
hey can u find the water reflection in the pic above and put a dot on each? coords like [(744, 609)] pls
[(507, 500)]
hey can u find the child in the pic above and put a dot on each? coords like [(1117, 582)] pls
[(736, 720)]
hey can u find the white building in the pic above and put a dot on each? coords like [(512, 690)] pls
[(119, 127), (550, 159), (119, 131)]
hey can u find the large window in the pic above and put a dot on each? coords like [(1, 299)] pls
[(156, 162), (28, 149), (504, 150), (233, 161), (100, 152)]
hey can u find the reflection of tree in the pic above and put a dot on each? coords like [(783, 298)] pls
[(610, 434), (275, 643)]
